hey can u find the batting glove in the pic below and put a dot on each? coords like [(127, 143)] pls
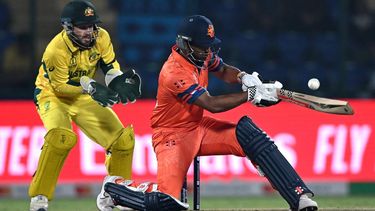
[(249, 80), (265, 94)]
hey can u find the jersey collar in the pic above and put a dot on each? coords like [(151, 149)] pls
[(68, 42), (182, 60)]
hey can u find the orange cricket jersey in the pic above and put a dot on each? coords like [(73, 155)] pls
[(180, 84)]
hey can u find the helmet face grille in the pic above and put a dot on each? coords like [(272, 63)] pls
[(68, 27)]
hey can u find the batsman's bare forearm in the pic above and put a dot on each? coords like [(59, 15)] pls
[(221, 103), (228, 73)]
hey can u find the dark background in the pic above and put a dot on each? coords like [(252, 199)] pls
[(286, 40)]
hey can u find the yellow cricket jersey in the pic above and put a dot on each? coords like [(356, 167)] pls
[(63, 64)]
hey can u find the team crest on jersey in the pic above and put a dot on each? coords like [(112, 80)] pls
[(47, 105), (93, 56), (211, 31), (89, 12), (179, 83)]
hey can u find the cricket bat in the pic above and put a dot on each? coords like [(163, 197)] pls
[(321, 104)]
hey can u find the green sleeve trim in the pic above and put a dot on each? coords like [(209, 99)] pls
[(36, 93), (106, 67), (73, 83)]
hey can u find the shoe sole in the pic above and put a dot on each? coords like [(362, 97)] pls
[(309, 209)]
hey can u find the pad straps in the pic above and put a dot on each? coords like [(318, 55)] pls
[(261, 150), (153, 201)]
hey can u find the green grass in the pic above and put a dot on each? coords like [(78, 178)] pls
[(208, 203), (278, 202)]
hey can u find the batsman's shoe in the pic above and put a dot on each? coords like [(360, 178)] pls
[(104, 201), (307, 204), (39, 203)]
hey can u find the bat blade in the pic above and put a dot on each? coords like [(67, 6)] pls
[(321, 104)]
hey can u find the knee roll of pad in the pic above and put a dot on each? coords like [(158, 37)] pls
[(126, 140), (61, 138), (251, 138), (260, 149)]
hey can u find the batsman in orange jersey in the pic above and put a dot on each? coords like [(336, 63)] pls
[(181, 131), (65, 92)]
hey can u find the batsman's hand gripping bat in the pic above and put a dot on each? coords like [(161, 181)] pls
[(325, 105)]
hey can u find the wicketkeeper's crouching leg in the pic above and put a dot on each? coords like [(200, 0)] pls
[(57, 144), (262, 151), (120, 154), (144, 196)]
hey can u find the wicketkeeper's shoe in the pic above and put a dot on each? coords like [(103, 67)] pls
[(307, 204), (104, 201), (39, 203)]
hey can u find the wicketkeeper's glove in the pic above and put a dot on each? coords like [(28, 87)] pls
[(101, 94), (127, 84)]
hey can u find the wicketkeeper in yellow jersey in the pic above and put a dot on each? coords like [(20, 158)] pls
[(66, 92)]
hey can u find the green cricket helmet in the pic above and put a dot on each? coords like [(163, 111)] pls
[(80, 13)]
